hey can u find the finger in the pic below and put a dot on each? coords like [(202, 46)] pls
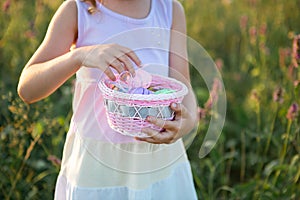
[(150, 132), (110, 74), (153, 136), (157, 137), (160, 122), (169, 126), (131, 55), (116, 64), (149, 140), (165, 137), (124, 59), (162, 137), (180, 109)]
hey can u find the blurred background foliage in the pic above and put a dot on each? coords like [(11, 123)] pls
[(254, 44)]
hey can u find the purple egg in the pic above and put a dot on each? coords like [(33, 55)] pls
[(140, 90)]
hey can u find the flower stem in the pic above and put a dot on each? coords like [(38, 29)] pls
[(271, 131), (283, 150)]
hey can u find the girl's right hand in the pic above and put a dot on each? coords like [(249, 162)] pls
[(107, 56)]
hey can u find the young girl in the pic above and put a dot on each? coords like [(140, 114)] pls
[(97, 39)]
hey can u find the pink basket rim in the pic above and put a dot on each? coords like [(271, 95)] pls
[(121, 95)]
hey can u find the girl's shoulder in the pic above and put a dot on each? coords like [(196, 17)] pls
[(68, 7), (70, 4), (64, 21), (177, 6), (178, 15)]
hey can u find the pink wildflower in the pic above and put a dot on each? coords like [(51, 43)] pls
[(278, 95), (296, 51), (54, 160), (213, 95), (201, 113), (293, 111), (6, 5), (243, 22), (263, 29), (219, 63)]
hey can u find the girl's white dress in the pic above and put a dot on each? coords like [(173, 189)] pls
[(99, 163)]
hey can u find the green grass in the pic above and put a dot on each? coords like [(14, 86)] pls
[(258, 153)]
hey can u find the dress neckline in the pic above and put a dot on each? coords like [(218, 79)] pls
[(125, 18)]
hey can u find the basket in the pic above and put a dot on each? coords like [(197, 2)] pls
[(126, 113)]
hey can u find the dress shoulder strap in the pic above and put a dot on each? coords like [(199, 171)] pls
[(165, 8)]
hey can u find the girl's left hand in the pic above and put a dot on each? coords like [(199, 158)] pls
[(172, 130)]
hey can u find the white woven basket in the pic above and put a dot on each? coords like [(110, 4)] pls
[(126, 113)]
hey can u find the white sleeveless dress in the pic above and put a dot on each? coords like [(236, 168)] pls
[(99, 163)]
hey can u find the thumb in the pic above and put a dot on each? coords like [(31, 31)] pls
[(179, 109)]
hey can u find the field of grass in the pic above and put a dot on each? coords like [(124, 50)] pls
[(256, 46)]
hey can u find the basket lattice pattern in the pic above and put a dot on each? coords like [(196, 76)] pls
[(127, 113)]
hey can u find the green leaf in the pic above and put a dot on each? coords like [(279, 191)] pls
[(37, 130)]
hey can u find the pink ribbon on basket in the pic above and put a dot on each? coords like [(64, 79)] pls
[(134, 85)]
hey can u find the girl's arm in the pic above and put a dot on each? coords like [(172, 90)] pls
[(53, 63), (179, 64), (185, 113)]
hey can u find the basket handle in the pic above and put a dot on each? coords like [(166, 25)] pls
[(124, 81)]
